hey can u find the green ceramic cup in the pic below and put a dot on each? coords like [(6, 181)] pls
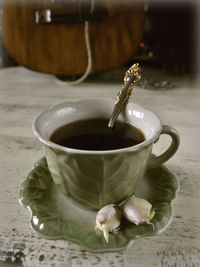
[(95, 178)]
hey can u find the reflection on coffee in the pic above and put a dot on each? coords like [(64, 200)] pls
[(94, 134)]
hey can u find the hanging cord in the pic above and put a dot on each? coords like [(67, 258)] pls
[(89, 58)]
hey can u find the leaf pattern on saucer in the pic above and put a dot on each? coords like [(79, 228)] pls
[(55, 216)]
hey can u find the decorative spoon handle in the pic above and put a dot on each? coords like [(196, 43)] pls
[(132, 76)]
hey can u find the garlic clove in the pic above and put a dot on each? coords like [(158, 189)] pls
[(138, 210), (105, 230), (108, 219)]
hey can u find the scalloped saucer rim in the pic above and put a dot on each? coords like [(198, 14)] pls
[(54, 216)]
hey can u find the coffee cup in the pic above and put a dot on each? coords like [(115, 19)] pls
[(94, 178)]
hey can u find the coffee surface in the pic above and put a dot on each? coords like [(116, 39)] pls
[(94, 134)]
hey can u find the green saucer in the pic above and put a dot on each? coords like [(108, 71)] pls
[(56, 217)]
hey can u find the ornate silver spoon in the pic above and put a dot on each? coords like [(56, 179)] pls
[(132, 76)]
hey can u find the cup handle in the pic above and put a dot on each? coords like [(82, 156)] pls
[(156, 161)]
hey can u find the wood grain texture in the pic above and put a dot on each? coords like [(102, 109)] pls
[(23, 94), (60, 48)]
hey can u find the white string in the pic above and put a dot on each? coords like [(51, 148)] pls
[(89, 58), (92, 6)]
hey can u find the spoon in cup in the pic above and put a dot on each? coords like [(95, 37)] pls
[(132, 76)]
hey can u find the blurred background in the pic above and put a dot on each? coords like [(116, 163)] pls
[(50, 35)]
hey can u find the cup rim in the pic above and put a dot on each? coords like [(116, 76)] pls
[(53, 145)]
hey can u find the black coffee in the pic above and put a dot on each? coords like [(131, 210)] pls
[(94, 134)]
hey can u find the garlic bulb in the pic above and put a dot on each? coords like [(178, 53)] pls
[(138, 210), (108, 219)]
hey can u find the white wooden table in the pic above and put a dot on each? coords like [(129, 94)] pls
[(23, 94)]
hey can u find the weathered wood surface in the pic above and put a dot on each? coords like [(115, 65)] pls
[(23, 94)]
